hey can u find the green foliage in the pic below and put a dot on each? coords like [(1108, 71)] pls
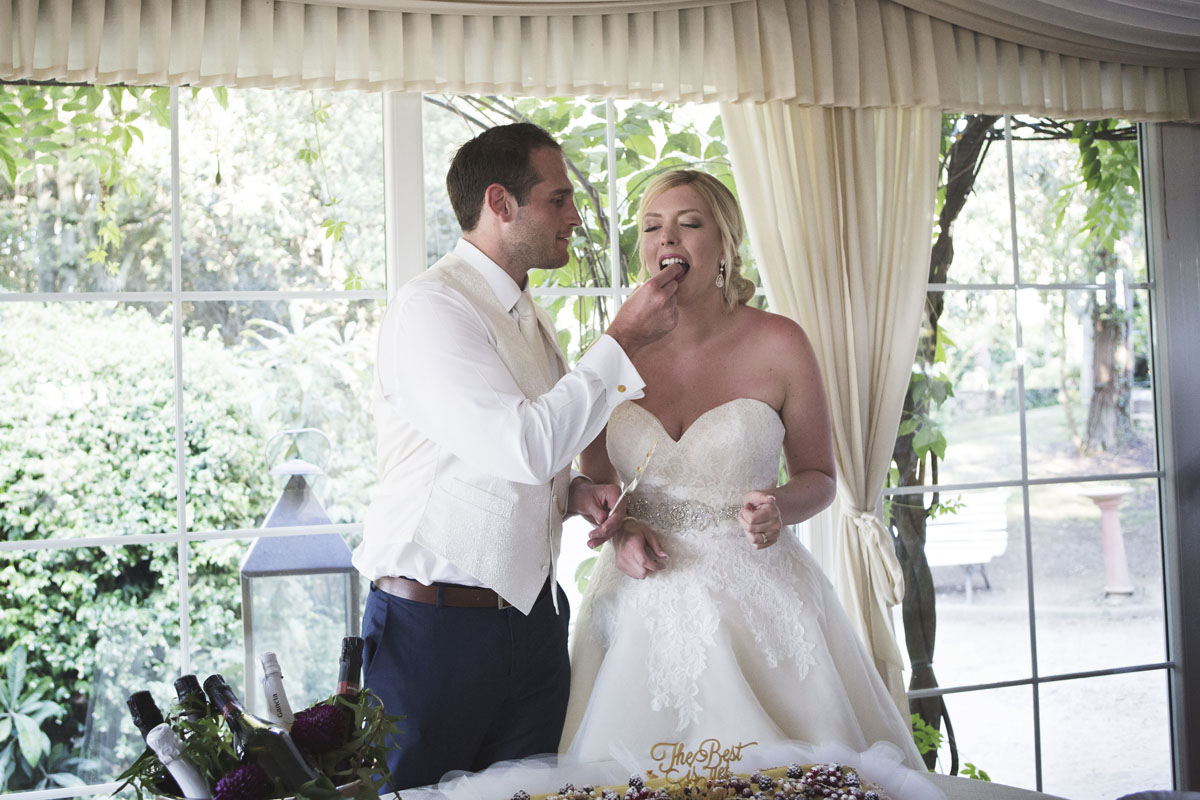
[(1110, 175), (973, 772), (927, 738), (28, 759), (24, 713), (73, 142)]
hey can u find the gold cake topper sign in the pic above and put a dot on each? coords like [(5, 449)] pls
[(710, 760)]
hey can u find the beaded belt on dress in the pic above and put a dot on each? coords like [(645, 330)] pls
[(677, 515)]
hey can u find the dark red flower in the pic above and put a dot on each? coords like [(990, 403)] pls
[(320, 729), (247, 782)]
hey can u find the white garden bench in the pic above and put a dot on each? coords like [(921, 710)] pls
[(971, 536)]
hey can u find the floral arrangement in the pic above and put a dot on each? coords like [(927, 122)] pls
[(351, 758)]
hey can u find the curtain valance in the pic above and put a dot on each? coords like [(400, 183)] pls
[(843, 53)]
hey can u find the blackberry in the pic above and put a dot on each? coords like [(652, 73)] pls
[(795, 771), (765, 783), (609, 794), (636, 782), (851, 779), (567, 788), (871, 795), (520, 794)]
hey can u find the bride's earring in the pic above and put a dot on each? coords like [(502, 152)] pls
[(721, 275)]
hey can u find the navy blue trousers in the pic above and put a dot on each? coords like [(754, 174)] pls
[(474, 685)]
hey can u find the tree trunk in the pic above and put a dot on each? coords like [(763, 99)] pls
[(1109, 422)]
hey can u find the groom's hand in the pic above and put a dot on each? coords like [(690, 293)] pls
[(594, 502), (649, 313), (638, 552)]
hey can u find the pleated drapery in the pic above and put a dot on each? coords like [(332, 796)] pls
[(837, 204), (845, 53)]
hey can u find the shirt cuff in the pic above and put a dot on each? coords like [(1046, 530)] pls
[(606, 359)]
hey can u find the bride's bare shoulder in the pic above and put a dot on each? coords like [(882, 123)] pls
[(774, 332)]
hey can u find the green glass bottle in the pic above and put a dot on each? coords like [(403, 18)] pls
[(258, 741)]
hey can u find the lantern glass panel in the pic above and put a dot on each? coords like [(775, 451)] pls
[(302, 619)]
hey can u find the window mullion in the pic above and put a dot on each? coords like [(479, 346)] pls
[(185, 654), (616, 276), (403, 188)]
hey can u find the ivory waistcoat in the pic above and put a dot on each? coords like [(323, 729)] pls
[(504, 533)]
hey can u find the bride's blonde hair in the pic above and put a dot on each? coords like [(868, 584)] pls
[(724, 207)]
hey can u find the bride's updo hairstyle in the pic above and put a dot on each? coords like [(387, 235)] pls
[(724, 207)]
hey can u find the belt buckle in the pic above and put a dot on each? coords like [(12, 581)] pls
[(501, 603)]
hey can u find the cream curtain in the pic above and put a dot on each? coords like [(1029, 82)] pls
[(838, 204), (849, 53)]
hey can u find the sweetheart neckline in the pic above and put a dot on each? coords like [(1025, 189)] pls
[(688, 429)]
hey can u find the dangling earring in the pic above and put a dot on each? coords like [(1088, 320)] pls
[(721, 275)]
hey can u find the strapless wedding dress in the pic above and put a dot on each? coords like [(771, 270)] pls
[(726, 642)]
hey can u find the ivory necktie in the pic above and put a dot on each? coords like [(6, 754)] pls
[(528, 324)]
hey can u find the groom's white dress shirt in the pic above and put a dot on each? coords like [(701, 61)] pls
[(453, 417)]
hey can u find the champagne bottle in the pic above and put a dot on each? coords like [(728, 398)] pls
[(350, 668), (258, 741), (278, 709), (166, 745), (147, 716), (191, 698)]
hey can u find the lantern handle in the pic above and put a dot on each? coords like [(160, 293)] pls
[(294, 431)]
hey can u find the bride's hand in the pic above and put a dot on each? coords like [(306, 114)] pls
[(760, 519), (638, 552)]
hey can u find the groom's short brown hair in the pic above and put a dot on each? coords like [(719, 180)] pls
[(498, 155)]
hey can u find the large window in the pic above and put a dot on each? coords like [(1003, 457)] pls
[(1028, 465)]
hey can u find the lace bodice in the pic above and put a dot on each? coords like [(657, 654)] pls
[(690, 494)]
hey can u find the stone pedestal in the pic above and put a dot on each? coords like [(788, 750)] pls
[(1116, 568)]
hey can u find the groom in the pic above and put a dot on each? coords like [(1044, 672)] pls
[(478, 421)]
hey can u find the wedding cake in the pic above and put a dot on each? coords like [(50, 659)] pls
[(794, 782)]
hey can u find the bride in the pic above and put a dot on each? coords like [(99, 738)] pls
[(705, 618)]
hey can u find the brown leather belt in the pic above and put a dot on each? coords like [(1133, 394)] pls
[(447, 593)]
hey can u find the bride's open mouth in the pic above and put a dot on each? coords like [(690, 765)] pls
[(666, 262)]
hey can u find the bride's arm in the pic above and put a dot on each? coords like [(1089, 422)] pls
[(807, 441)]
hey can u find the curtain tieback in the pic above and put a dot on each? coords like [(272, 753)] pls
[(880, 554)]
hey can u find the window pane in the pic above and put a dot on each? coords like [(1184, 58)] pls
[(1098, 581), (580, 320), (1066, 232), (95, 624), (253, 370), (89, 210), (443, 131), (994, 732), (1086, 350), (979, 622), (1106, 737), (87, 420), (281, 190), (980, 419), (301, 616), (982, 232)]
